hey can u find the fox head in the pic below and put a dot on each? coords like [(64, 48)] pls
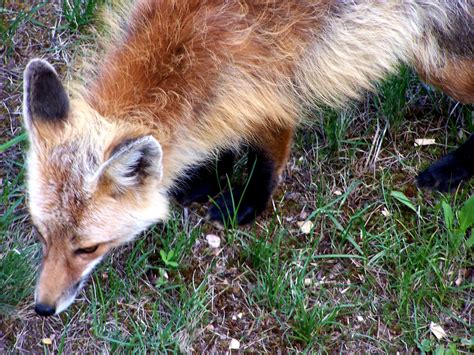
[(93, 184)]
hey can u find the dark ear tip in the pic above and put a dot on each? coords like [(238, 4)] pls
[(38, 66), (44, 95)]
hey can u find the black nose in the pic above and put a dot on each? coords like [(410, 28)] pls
[(44, 309)]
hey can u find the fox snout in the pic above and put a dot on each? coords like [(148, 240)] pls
[(54, 295), (48, 304), (61, 277), (44, 310)]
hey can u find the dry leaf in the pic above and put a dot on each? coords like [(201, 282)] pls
[(460, 277), (438, 331), (345, 290), (234, 344), (424, 141), (306, 226), (46, 341), (303, 215), (213, 240)]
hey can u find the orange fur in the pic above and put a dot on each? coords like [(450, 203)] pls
[(206, 74), (455, 77)]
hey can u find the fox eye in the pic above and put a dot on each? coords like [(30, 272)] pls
[(88, 250)]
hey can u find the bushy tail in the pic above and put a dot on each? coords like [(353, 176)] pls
[(364, 41)]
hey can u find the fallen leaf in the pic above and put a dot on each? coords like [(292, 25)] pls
[(385, 212), (424, 141), (294, 196), (46, 341), (234, 344), (213, 240), (345, 290), (303, 215), (305, 226), (438, 331), (383, 331), (460, 277)]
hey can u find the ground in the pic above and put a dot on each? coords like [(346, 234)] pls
[(380, 266)]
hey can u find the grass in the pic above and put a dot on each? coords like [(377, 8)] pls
[(79, 13), (382, 261), (146, 323)]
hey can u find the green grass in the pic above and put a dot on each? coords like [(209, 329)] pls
[(9, 27), (12, 142), (149, 316), (382, 261), (16, 277), (79, 13)]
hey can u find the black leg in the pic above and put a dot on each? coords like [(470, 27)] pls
[(200, 183), (243, 203), (451, 170)]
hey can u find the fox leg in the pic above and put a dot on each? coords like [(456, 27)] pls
[(266, 162), (200, 183), (455, 78), (451, 170)]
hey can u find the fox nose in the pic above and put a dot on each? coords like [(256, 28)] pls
[(44, 310)]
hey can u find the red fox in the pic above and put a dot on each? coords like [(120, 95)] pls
[(181, 83)]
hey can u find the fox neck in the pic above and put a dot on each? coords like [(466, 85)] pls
[(180, 144)]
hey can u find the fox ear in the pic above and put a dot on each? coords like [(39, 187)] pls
[(131, 162), (44, 97)]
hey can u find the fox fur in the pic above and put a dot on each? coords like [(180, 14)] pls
[(172, 83)]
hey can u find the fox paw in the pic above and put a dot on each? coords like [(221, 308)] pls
[(201, 193), (445, 174), (231, 208)]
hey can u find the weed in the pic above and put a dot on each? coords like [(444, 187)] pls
[(168, 258), (12, 142), (465, 220), (10, 25), (16, 277), (310, 324), (391, 101), (79, 13)]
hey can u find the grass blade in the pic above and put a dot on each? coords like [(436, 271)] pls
[(12, 142), (401, 197)]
